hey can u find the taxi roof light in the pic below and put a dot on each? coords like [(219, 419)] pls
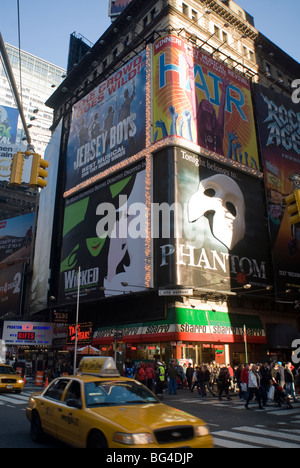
[(98, 366)]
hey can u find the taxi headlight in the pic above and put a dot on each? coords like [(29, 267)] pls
[(201, 431), (133, 439), (20, 381)]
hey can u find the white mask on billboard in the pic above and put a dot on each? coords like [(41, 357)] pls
[(220, 199)]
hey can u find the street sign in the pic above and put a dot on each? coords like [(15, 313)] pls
[(176, 292)]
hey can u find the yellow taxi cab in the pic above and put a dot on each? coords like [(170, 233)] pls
[(10, 381), (97, 408)]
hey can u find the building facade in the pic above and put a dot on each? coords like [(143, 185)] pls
[(170, 216)]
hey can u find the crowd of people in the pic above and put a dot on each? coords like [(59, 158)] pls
[(247, 381)]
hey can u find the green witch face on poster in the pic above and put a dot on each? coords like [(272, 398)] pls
[(95, 240)]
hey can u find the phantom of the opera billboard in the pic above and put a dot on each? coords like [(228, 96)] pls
[(279, 129), (216, 237), (201, 100), (101, 235), (109, 124)]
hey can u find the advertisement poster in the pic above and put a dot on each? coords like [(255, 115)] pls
[(201, 100), (8, 124), (7, 151), (109, 124), (16, 235), (279, 130), (98, 237), (117, 6), (10, 289), (28, 333), (44, 231), (219, 239)]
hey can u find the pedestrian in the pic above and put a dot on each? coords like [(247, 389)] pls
[(141, 375), (207, 381), (237, 376), (244, 381), (160, 379), (150, 376), (254, 387), (195, 378), (200, 382), (297, 381), (265, 382), (189, 376), (280, 375), (289, 381), (172, 378), (224, 383)]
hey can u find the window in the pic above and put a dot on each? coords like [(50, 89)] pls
[(56, 390), (74, 393), (185, 9), (217, 31), (225, 37), (194, 15), (252, 56)]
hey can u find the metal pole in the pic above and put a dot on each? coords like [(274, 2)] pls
[(14, 86), (246, 347), (77, 316)]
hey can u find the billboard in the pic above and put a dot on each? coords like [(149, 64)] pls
[(8, 124), (96, 238), (117, 6), (7, 151), (43, 239), (28, 333), (109, 124), (217, 234), (11, 282), (201, 100), (279, 131), (16, 235)]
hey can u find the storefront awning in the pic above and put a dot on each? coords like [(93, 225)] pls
[(183, 324)]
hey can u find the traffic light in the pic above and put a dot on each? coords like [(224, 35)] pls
[(38, 171), (293, 202), (16, 169)]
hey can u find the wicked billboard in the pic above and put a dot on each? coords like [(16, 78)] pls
[(109, 124), (218, 237), (279, 130), (95, 238), (201, 100)]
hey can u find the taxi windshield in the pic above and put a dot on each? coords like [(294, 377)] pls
[(7, 370), (110, 393)]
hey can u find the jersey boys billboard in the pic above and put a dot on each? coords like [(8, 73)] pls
[(279, 128), (201, 100), (109, 124), (95, 238)]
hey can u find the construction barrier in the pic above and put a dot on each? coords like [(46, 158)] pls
[(39, 378)]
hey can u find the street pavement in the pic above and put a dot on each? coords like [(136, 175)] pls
[(231, 425)]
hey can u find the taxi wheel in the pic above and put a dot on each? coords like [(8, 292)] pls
[(97, 440), (36, 428)]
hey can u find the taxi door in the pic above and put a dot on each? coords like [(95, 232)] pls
[(68, 418), (49, 404)]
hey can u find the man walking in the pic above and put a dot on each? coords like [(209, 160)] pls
[(254, 387)]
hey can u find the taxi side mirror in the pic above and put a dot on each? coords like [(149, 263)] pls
[(73, 403)]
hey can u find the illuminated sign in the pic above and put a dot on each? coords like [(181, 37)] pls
[(84, 333), (26, 336)]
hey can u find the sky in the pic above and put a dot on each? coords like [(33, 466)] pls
[(46, 25)]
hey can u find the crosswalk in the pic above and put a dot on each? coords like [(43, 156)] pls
[(257, 437), (14, 400)]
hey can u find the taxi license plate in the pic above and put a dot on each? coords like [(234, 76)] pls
[(9, 387)]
